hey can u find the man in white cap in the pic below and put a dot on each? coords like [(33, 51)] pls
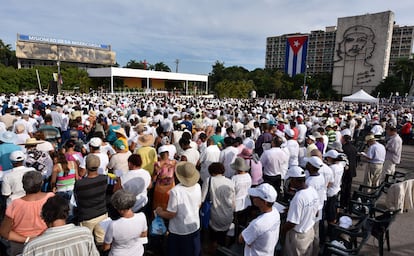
[(12, 186), (262, 234), (375, 157), (293, 147), (302, 214)]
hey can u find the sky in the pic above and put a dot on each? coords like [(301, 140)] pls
[(196, 32)]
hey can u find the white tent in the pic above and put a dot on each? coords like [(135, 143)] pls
[(360, 96)]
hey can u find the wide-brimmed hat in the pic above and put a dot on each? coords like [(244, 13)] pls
[(139, 128), (239, 164), (146, 140), (121, 131), (370, 137), (32, 141), (337, 146), (187, 173), (246, 153), (8, 137), (92, 113)]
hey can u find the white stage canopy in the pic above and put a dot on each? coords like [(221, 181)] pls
[(148, 74), (360, 96)]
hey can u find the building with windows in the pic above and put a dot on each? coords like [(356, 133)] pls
[(392, 42)]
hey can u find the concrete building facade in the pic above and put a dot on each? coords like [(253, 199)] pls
[(392, 42)]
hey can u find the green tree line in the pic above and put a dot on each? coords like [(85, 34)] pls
[(233, 81)]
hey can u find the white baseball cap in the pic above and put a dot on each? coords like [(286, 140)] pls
[(290, 133), (264, 191), (295, 172), (314, 161), (95, 142), (332, 154), (17, 156)]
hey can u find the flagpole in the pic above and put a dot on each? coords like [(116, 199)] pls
[(305, 91)]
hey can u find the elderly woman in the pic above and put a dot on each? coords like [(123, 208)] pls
[(222, 195), (124, 235), (20, 224)]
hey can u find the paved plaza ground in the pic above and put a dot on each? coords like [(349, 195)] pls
[(402, 230)]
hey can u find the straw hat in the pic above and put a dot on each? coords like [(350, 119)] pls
[(240, 165), (32, 141), (187, 174), (121, 131), (146, 140)]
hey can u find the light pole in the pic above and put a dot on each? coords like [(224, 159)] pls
[(304, 84)]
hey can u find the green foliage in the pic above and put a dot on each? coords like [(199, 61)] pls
[(7, 55), (389, 85), (160, 66), (9, 80), (234, 89)]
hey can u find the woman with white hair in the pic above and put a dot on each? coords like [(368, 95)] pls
[(124, 235)]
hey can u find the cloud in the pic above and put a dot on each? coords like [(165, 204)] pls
[(196, 32)]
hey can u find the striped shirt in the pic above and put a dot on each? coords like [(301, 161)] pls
[(65, 240)]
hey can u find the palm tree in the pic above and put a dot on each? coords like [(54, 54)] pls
[(7, 55), (161, 66)]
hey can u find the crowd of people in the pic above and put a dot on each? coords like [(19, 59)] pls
[(94, 171)]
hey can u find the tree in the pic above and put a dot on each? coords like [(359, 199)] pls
[(7, 55), (161, 66), (136, 65), (217, 75), (234, 89)]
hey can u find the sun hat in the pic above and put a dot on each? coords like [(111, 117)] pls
[(8, 137), (332, 154), (345, 132), (317, 135), (314, 161), (139, 128), (17, 156), (32, 141), (92, 113), (337, 146), (95, 142), (121, 131), (295, 172), (146, 140), (162, 149), (239, 164), (246, 153), (369, 137), (264, 191), (187, 173), (93, 162)]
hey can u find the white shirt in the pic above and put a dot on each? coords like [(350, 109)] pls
[(318, 183), (293, 147), (137, 183), (242, 183), (303, 209), (192, 155), (227, 157), (337, 171), (210, 155), (376, 153), (273, 161), (12, 183), (185, 202), (262, 234), (222, 198)]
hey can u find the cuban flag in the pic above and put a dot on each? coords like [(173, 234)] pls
[(296, 50)]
